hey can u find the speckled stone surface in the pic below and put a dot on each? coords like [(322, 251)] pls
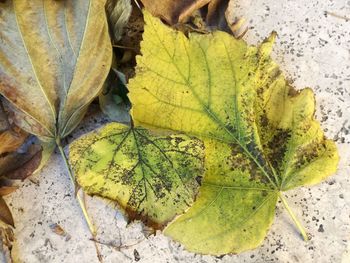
[(313, 50)]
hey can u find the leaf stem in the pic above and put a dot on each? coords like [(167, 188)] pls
[(294, 218), (81, 200)]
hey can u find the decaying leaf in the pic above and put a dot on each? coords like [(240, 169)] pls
[(113, 100), (118, 13), (173, 11), (5, 213), (154, 177), (5, 190), (54, 58), (6, 239), (12, 139), (23, 162), (260, 134), (215, 15), (19, 163), (20, 156)]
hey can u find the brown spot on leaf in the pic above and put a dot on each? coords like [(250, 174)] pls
[(278, 146), (293, 92), (306, 154), (264, 121)]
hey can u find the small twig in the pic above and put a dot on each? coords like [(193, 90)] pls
[(137, 4), (337, 16), (123, 47), (117, 247), (98, 252)]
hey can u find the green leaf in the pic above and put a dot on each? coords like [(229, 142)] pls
[(113, 100), (54, 58), (260, 134), (152, 176)]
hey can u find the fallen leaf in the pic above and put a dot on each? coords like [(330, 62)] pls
[(20, 157), (173, 11), (12, 139), (19, 165), (21, 162), (4, 123), (5, 190), (20, 154), (54, 58), (57, 229), (5, 213), (118, 13), (261, 138), (113, 100), (6, 239), (215, 15), (129, 45), (152, 176)]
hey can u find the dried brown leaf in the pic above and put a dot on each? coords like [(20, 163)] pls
[(118, 13), (12, 139), (20, 165), (5, 213), (216, 15), (54, 58), (6, 239), (5, 190), (173, 11), (20, 154)]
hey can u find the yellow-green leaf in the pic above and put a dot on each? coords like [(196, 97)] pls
[(235, 207), (54, 58), (153, 177), (260, 134)]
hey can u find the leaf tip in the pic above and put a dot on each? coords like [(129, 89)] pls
[(267, 45)]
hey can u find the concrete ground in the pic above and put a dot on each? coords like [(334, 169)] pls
[(313, 49)]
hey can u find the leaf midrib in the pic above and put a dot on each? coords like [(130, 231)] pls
[(75, 66)]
